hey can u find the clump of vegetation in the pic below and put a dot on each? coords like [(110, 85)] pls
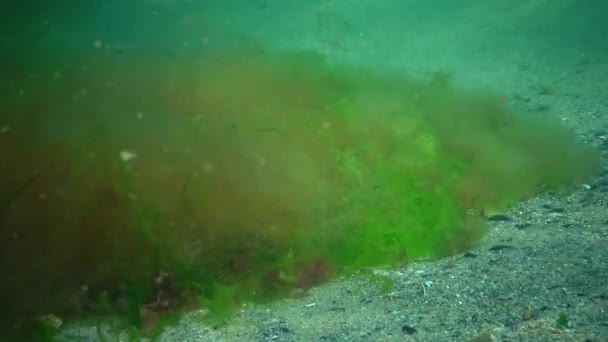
[(245, 175), (562, 322)]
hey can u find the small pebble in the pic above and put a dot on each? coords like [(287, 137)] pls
[(499, 218), (470, 254), (500, 248), (408, 330)]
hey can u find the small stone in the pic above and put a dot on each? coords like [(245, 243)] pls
[(600, 134), (4, 129), (541, 107), (499, 218), (496, 248), (470, 254), (408, 330)]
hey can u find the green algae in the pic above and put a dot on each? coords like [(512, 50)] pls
[(253, 174)]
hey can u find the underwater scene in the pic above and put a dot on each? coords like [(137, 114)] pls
[(311, 170)]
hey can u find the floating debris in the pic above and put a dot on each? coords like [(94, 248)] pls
[(126, 155)]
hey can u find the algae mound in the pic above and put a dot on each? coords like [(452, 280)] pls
[(247, 174)]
